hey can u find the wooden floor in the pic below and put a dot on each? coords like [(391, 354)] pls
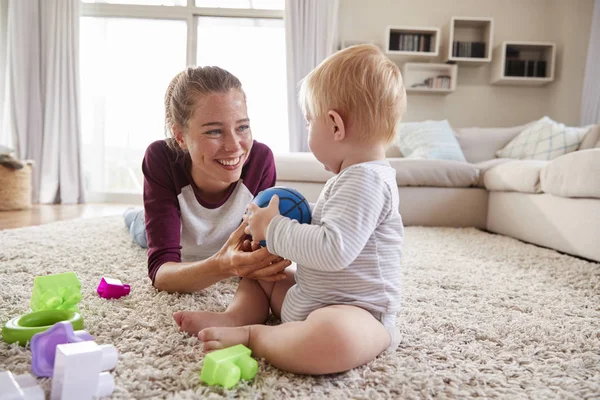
[(43, 214)]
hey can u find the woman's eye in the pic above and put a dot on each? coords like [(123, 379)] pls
[(243, 128), (213, 133)]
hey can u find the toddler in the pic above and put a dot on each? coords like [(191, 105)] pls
[(339, 310)]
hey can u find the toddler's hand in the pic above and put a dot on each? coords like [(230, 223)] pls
[(258, 219)]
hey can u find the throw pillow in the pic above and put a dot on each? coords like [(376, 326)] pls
[(430, 140), (544, 140)]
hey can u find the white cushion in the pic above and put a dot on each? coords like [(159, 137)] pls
[(430, 140), (575, 174), (481, 144), (591, 139), (300, 167), (515, 176), (434, 173), (544, 140), (485, 166)]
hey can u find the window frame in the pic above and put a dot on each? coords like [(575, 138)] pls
[(186, 13)]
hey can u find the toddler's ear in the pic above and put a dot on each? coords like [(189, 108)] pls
[(336, 123)]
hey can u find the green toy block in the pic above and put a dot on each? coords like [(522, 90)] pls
[(56, 292), (225, 367)]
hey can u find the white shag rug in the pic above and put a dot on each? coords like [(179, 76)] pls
[(483, 316)]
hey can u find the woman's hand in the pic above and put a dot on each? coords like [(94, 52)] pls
[(258, 219), (239, 257)]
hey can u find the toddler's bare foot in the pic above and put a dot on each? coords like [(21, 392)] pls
[(217, 338), (193, 322)]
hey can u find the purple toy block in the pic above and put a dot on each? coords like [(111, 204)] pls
[(43, 346), (112, 288)]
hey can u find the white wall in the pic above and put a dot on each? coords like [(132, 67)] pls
[(476, 102)]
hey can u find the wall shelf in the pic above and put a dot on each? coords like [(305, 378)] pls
[(523, 63), (470, 40), (412, 43), (429, 78)]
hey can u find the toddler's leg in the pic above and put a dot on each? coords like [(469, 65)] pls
[(332, 339), (250, 305)]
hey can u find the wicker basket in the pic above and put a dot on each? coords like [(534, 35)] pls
[(15, 187)]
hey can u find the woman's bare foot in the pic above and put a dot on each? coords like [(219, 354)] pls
[(217, 338), (193, 322)]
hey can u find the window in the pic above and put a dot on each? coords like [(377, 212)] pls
[(126, 66), (129, 52), (257, 4), (141, 2), (231, 43)]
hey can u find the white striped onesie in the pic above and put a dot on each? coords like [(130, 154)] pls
[(350, 253)]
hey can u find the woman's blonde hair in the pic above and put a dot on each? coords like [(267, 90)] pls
[(184, 90), (362, 85)]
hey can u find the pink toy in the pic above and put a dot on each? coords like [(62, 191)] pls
[(112, 288), (43, 346)]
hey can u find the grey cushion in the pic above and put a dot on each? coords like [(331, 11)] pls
[(481, 144), (435, 173)]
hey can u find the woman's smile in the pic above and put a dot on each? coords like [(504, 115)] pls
[(230, 164)]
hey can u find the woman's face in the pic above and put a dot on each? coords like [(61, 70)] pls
[(218, 139)]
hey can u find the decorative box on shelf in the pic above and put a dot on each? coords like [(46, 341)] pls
[(408, 42), (470, 40), (523, 63), (429, 77)]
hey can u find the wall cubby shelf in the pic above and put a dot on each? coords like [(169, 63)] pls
[(412, 43), (523, 63), (470, 40), (429, 77)]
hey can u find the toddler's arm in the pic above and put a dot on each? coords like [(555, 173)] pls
[(357, 203)]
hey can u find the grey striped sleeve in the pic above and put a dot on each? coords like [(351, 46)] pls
[(350, 208)]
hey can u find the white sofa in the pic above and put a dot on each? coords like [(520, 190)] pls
[(554, 204)]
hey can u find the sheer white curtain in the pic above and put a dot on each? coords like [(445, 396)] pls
[(590, 101), (5, 134), (311, 36), (41, 110)]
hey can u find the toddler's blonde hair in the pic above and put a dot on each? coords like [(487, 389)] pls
[(362, 85)]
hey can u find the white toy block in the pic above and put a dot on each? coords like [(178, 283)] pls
[(19, 387), (78, 371)]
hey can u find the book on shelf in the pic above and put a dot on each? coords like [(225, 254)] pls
[(468, 49), (525, 68), (435, 82), (418, 42)]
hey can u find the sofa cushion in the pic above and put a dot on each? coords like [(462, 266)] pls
[(393, 151), (485, 166), (430, 140), (434, 173), (575, 174), (515, 176), (544, 140), (481, 144), (591, 139), (300, 167)]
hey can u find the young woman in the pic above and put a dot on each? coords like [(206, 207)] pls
[(197, 184)]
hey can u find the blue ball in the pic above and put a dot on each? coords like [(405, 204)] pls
[(291, 204)]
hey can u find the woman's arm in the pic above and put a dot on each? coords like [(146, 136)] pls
[(235, 258), (187, 277)]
